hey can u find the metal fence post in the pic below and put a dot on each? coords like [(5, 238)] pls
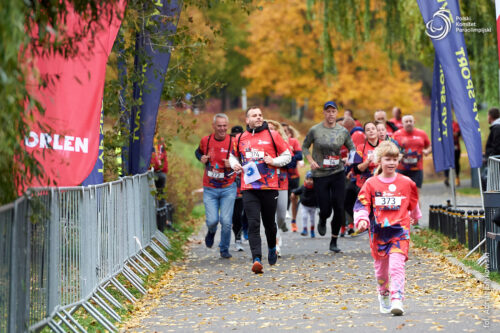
[(431, 217), (470, 231), (462, 238), (19, 311), (54, 265), (482, 229), (475, 227)]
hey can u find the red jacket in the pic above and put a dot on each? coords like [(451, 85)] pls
[(159, 159)]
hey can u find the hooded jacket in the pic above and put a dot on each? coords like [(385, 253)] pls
[(493, 143)]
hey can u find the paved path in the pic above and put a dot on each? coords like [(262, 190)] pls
[(312, 289)]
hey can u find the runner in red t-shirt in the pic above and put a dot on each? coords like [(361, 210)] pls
[(396, 117), (350, 114), (362, 168), (293, 170), (259, 152), (219, 188), (415, 144), (358, 137), (380, 116), (281, 207)]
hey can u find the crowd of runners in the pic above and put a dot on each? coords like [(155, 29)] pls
[(252, 175)]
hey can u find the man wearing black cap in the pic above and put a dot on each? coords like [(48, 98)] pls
[(327, 167)]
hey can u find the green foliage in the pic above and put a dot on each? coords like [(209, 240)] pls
[(398, 26), (198, 211)]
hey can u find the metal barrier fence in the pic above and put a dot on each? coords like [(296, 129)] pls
[(468, 227), (493, 184), (475, 228), (492, 207), (60, 248)]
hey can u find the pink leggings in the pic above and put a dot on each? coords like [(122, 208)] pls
[(394, 266)]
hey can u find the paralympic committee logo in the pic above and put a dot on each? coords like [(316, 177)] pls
[(440, 25)]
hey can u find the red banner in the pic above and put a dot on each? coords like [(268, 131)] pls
[(65, 139)]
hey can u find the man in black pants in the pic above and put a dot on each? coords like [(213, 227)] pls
[(259, 152), (327, 167)]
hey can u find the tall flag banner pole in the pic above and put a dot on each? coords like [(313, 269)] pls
[(65, 138), (440, 18), (443, 148), (151, 62)]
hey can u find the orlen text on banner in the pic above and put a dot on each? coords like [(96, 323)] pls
[(65, 138), (440, 21)]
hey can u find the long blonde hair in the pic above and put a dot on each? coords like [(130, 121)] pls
[(385, 148), (278, 128)]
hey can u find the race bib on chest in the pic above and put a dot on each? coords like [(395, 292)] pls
[(254, 154), (410, 160), (388, 202), (215, 174), (331, 161)]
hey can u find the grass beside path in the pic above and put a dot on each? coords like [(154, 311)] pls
[(426, 238)]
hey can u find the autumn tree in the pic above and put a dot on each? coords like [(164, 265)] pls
[(290, 61)]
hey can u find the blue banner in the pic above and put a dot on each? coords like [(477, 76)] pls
[(443, 148), (96, 176), (152, 58), (441, 18)]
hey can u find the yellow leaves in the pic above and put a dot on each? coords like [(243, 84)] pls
[(287, 60)]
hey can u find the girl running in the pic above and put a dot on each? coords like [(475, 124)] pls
[(387, 204)]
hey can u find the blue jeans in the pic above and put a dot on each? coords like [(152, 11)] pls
[(219, 205)]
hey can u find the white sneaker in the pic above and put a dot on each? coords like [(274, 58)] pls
[(397, 307), (278, 250), (384, 303), (238, 246)]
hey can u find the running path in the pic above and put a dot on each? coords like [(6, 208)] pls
[(311, 289)]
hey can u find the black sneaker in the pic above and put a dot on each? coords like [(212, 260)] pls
[(225, 254), (350, 231), (322, 227), (333, 245), (209, 239), (272, 256)]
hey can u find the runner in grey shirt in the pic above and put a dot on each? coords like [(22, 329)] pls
[(327, 167)]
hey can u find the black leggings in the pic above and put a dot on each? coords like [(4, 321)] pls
[(257, 203), (457, 165), (351, 194), (330, 194), (239, 219), (293, 183)]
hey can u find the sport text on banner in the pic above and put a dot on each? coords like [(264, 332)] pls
[(443, 149), (439, 17)]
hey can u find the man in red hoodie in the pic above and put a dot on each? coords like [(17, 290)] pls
[(259, 153)]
